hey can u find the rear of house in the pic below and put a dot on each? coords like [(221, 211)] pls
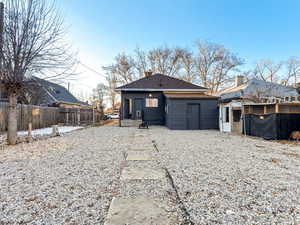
[(163, 100)]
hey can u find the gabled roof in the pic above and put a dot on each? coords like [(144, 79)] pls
[(255, 88), (160, 82), (55, 93)]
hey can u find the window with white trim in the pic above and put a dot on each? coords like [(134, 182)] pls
[(151, 102)]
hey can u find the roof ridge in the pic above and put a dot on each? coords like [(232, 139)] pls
[(166, 80)]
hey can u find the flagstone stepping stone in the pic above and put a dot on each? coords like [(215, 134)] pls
[(139, 156), (140, 210), (142, 174)]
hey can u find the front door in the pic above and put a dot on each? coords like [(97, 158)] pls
[(193, 116), (138, 107)]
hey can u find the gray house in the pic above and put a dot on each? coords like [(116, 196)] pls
[(261, 96), (165, 100), (45, 93)]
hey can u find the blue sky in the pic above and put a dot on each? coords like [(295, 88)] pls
[(254, 29)]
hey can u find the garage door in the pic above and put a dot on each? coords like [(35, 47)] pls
[(193, 116)]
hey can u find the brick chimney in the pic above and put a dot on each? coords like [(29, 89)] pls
[(148, 73), (239, 80)]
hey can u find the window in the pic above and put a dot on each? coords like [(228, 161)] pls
[(236, 115), (151, 102), (227, 114), (130, 105)]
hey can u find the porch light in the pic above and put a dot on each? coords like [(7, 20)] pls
[(150, 95)]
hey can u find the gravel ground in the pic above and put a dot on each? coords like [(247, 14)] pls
[(221, 178), (63, 180), (229, 179)]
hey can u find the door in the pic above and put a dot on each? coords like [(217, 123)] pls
[(193, 116), (138, 107), (126, 109), (236, 120)]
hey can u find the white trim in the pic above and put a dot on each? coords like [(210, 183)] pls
[(149, 89)]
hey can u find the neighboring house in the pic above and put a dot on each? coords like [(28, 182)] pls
[(46, 93), (254, 91), (52, 94), (165, 100)]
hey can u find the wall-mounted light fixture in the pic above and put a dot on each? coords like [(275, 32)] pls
[(150, 95)]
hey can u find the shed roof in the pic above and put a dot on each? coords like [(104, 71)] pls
[(157, 82)]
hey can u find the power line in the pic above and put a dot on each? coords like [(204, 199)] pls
[(91, 69)]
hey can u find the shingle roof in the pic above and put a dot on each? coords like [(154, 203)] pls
[(160, 82), (56, 93), (259, 88)]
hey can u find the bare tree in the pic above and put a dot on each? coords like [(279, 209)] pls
[(292, 71), (123, 68), (214, 65), (162, 60), (165, 60), (141, 62), (33, 43), (268, 70), (187, 61), (98, 97), (112, 82)]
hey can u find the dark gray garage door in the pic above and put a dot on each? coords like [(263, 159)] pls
[(193, 116)]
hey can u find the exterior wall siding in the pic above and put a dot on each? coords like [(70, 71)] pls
[(176, 117), (153, 115)]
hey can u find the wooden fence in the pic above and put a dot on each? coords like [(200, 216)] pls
[(47, 116)]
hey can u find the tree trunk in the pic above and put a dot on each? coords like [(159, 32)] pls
[(12, 119)]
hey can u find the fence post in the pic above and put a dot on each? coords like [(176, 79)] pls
[(67, 116), (78, 116), (30, 110), (30, 132), (93, 116)]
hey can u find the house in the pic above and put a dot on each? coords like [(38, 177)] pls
[(52, 94), (45, 93), (233, 99), (165, 100)]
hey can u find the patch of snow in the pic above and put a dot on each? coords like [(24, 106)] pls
[(48, 130)]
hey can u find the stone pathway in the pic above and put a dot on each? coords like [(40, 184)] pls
[(146, 195)]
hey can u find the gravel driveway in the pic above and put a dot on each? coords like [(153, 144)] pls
[(229, 179), (64, 180), (221, 178)]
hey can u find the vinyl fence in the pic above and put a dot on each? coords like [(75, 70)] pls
[(47, 116)]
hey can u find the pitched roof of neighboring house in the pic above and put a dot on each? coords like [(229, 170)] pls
[(160, 82), (55, 93), (255, 88)]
